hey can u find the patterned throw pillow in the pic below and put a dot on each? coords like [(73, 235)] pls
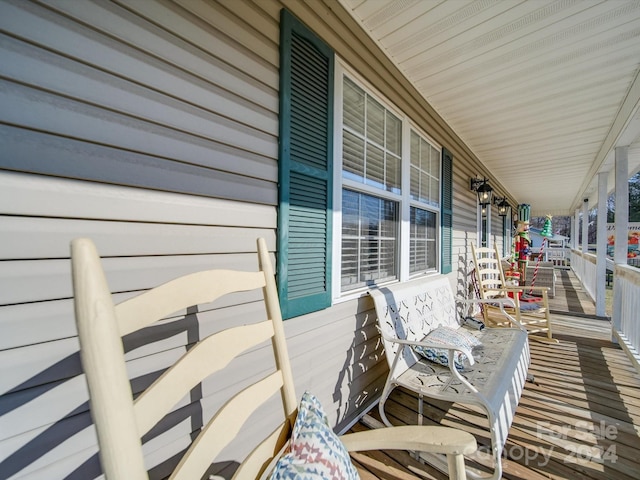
[(453, 337), (315, 452)]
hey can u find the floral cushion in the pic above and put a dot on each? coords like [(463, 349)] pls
[(315, 452), (451, 337)]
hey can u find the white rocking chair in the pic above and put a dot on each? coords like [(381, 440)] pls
[(491, 284), (121, 421)]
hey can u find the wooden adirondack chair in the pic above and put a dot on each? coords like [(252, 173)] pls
[(491, 283), (121, 421)]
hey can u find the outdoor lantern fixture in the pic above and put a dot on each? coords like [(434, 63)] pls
[(483, 189), (503, 206)]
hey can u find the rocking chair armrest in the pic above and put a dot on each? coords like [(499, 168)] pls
[(495, 301), (506, 288), (443, 440), (528, 288), (501, 302)]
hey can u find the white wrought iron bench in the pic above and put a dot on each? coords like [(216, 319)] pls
[(408, 312), (292, 448)]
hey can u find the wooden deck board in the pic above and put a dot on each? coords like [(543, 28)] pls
[(580, 420), (570, 296)]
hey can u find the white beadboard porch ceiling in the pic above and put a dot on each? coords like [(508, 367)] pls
[(540, 90)]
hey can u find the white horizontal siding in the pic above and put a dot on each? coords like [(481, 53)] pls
[(84, 116), (30, 195), (38, 237), (182, 123), (24, 281), (130, 45)]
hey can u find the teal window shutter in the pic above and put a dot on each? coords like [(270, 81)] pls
[(305, 169), (446, 214)]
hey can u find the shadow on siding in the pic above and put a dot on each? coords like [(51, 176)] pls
[(79, 419)]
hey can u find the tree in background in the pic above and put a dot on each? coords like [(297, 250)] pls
[(634, 201), (561, 225)]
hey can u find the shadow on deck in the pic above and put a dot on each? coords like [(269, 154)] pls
[(579, 420), (570, 296)]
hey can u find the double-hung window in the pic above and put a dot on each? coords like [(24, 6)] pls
[(425, 200), (370, 176), (364, 195), (389, 191)]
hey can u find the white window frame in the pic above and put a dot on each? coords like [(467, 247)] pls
[(480, 234), (403, 254), (507, 225)]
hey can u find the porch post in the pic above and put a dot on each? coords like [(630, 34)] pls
[(622, 227), (576, 229), (622, 205), (601, 244), (585, 225)]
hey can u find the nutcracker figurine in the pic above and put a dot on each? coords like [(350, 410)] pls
[(523, 251)]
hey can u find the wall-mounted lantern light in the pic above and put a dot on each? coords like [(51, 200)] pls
[(503, 206), (483, 189)]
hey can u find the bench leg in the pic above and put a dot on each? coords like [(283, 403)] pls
[(388, 388), (497, 445), (456, 467)]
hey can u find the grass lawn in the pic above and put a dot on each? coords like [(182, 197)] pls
[(608, 301)]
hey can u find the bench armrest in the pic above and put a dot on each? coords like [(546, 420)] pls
[(428, 344), (452, 367), (412, 437)]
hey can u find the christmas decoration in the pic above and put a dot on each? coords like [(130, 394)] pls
[(546, 229), (546, 233)]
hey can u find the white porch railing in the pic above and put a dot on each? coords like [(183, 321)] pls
[(584, 266), (626, 299), (626, 308), (557, 255)]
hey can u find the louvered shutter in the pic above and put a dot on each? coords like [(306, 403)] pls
[(305, 170), (446, 215)]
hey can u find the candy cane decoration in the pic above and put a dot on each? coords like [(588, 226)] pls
[(535, 270)]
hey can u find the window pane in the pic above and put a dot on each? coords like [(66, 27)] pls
[(394, 134), (425, 181), (414, 175), (435, 162), (369, 239), (353, 110), (434, 171), (425, 171), (422, 254), (415, 182), (350, 219), (375, 122), (372, 141), (349, 263), (415, 150), (375, 166), (393, 166), (353, 156), (434, 192)]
